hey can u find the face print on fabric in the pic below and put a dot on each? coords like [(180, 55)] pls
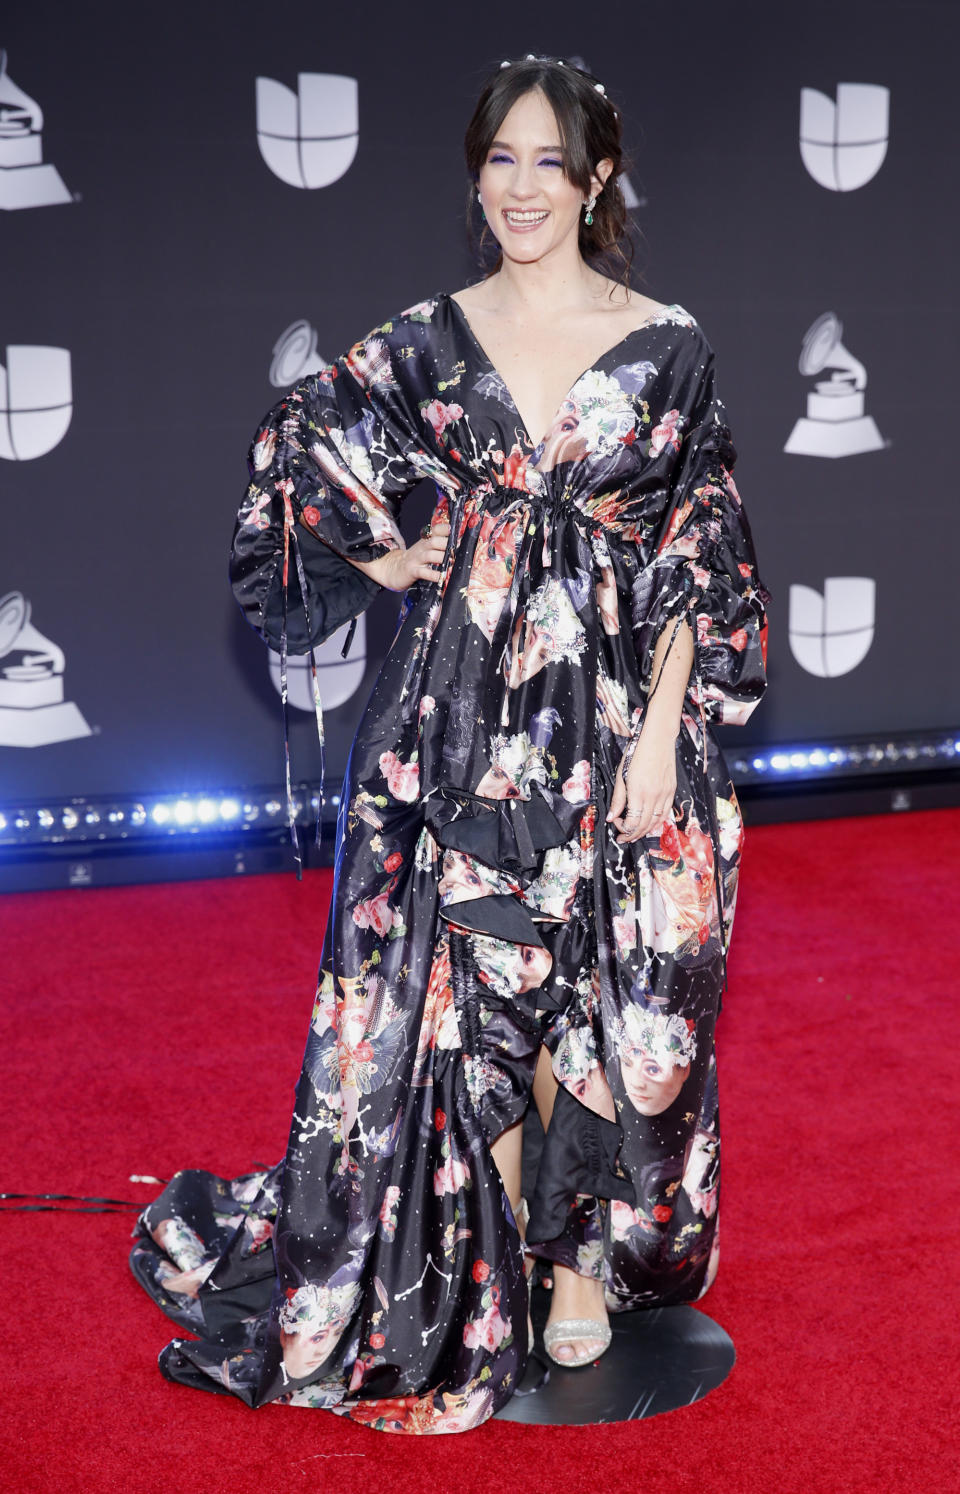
[(462, 878), (189, 1264), (509, 968), (595, 419), (656, 1050), (550, 631), (577, 1067), (683, 902), (515, 764), (701, 1172), (497, 783), (492, 575), (311, 1321), (554, 892), (651, 1086)]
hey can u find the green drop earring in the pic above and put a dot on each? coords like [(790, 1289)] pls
[(588, 216)]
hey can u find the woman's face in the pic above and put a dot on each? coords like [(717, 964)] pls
[(305, 1352), (593, 1091), (535, 963), (530, 205), (496, 784), (563, 442), (539, 647), (651, 1088), (457, 872)]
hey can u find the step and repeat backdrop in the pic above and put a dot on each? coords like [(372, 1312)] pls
[(200, 205)]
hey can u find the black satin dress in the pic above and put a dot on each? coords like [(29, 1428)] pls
[(482, 906)]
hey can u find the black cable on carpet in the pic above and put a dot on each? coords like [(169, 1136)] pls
[(65, 1203)]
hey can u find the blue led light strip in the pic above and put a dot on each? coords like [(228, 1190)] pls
[(91, 821), (231, 811), (853, 758)]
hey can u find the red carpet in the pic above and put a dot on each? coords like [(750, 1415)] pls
[(151, 1028)]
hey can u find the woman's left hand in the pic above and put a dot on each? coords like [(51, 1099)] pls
[(646, 799)]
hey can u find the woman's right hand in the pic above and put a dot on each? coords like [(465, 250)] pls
[(421, 561)]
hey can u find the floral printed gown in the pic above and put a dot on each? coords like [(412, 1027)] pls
[(482, 906)]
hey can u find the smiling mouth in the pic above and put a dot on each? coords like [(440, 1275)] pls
[(525, 218)]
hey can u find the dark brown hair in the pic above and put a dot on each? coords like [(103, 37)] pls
[(590, 131)]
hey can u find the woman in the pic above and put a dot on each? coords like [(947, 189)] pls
[(532, 895)]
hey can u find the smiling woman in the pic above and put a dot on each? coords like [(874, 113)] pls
[(539, 842), (579, 127), (545, 153)]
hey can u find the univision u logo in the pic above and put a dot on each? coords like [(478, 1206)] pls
[(308, 138), (36, 401), (831, 634), (843, 144)]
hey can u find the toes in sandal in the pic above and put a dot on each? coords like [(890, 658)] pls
[(572, 1328)]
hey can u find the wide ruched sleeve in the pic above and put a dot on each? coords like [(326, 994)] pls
[(329, 466), (704, 569)]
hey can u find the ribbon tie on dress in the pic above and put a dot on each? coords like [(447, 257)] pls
[(290, 538)]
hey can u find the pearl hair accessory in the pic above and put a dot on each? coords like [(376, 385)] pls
[(532, 57)]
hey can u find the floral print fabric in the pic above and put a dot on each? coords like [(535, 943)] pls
[(481, 905)]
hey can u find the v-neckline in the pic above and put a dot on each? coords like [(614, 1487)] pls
[(614, 347)]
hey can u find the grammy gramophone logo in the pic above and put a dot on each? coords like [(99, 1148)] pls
[(308, 138), (295, 355), (25, 181), (835, 424), (33, 712)]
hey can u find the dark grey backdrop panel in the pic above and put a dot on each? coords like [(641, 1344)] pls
[(182, 258)]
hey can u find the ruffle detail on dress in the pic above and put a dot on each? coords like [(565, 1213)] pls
[(500, 914), (501, 1036), (510, 836), (580, 1156), (507, 834)]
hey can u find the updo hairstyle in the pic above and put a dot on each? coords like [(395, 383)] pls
[(590, 131)]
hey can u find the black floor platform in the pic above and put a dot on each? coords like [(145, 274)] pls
[(658, 1360)]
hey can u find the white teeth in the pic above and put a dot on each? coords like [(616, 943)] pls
[(518, 215)]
